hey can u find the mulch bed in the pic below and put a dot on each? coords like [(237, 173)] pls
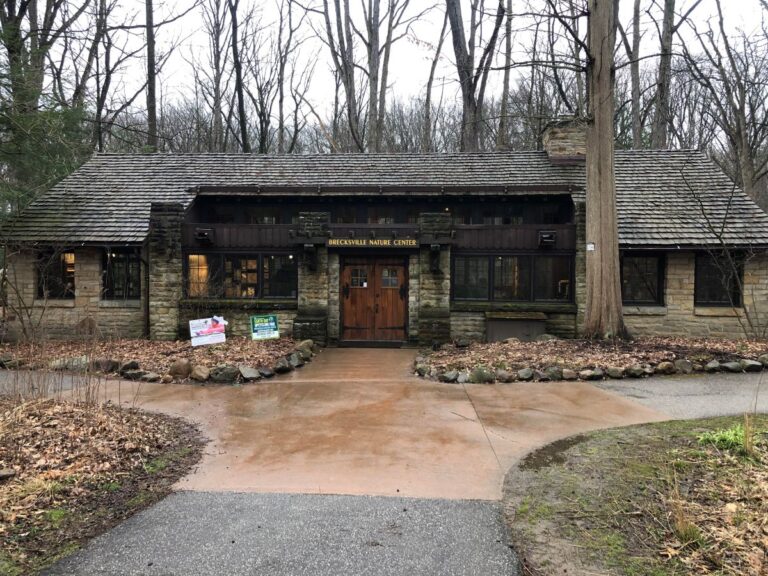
[(79, 470), (587, 354), (153, 356), (653, 499)]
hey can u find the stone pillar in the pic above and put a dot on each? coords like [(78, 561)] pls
[(580, 263), (165, 269), (434, 321), (312, 318)]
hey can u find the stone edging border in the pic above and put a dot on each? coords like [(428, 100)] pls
[(182, 369), (483, 374)]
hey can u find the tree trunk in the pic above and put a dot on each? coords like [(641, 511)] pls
[(634, 69), (426, 137), (661, 117), (374, 61), (603, 314), (237, 63), (502, 138), (151, 80)]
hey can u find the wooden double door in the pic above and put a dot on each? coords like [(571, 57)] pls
[(374, 299)]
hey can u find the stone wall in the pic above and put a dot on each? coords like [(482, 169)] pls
[(679, 316), (165, 269), (334, 304), (414, 284), (314, 279), (565, 140), (580, 263), (87, 314)]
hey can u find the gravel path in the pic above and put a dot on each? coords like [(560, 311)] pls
[(199, 533)]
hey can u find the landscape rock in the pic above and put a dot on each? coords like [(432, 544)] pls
[(713, 366), (133, 374), (4, 360), (683, 366), (450, 376), (554, 373), (546, 338), (166, 379), (463, 378), (282, 366), (751, 365), (764, 360), (422, 369), (526, 374), (569, 374), (615, 372), (540, 376), (482, 375), (150, 377), (200, 373), (225, 374), (266, 372), (58, 364), (105, 365), (249, 374), (130, 365), (595, 374), (13, 364), (504, 376), (635, 371), (512, 340), (665, 368), (295, 360), (649, 370), (305, 355), (180, 368), (462, 343), (734, 367), (698, 367), (306, 346), (7, 474)]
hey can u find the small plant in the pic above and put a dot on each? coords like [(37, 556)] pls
[(739, 438), (686, 531)]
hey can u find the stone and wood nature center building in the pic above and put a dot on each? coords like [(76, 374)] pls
[(387, 248)]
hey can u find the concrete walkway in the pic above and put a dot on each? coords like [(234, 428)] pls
[(356, 422)]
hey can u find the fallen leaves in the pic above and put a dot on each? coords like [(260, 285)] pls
[(586, 354), (153, 356), (64, 455)]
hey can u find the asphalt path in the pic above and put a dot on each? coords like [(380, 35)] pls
[(696, 396), (204, 533)]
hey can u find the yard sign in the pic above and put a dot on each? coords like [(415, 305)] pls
[(208, 331), (264, 327)]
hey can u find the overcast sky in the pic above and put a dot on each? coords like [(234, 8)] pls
[(412, 56)]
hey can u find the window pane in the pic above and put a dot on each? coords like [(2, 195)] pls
[(717, 280), (56, 275), (470, 278), (280, 276), (241, 277), (511, 278), (197, 283), (121, 275), (359, 277), (552, 279), (640, 280)]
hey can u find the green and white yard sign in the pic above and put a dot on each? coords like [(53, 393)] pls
[(264, 327)]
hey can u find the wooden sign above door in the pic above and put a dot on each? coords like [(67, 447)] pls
[(372, 243)]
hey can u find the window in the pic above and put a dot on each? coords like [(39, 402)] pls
[(121, 275), (241, 276), (511, 278), (280, 276), (389, 278), (522, 278), (470, 278), (56, 275), (718, 280), (197, 276), (552, 278), (359, 278), (642, 279)]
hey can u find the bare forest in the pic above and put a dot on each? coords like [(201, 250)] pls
[(319, 76)]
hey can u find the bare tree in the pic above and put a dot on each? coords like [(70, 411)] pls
[(502, 140), (427, 144), (604, 314), (472, 79), (151, 79), (239, 86), (633, 54), (735, 73)]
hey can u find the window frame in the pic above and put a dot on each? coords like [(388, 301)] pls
[(531, 256), (734, 302), (42, 271), (217, 275), (129, 253), (661, 277)]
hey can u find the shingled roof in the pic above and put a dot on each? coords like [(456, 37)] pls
[(664, 198)]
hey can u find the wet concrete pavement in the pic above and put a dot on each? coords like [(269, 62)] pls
[(356, 422)]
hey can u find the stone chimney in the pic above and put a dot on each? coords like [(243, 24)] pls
[(565, 140)]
